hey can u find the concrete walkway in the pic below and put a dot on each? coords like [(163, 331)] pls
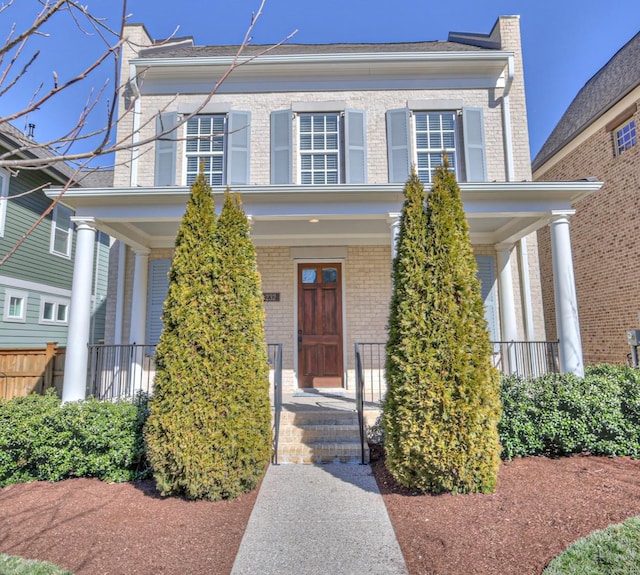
[(319, 520)]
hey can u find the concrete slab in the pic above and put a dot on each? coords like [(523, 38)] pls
[(319, 519)]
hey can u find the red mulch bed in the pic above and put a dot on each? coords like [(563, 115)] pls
[(540, 507)]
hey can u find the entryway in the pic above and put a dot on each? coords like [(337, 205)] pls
[(320, 354)]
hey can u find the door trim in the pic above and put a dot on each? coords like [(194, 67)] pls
[(345, 327)]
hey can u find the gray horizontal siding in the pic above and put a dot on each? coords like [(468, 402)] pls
[(32, 261)]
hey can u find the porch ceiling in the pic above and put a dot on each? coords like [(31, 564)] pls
[(500, 212)]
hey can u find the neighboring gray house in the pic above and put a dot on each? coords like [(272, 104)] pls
[(35, 282)]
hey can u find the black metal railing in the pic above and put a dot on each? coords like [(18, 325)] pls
[(274, 351), (120, 371), (360, 383), (526, 358)]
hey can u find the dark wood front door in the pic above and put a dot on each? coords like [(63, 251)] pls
[(320, 325)]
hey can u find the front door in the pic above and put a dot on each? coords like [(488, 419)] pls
[(320, 325)]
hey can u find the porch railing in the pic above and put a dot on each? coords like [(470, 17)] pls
[(522, 358), (274, 351)]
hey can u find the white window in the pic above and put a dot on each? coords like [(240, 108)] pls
[(320, 149), (4, 193), (435, 136), (205, 146), (54, 311), (625, 137), (15, 306), (61, 231)]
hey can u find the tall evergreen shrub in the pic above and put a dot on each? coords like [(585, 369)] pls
[(442, 406), (208, 430)]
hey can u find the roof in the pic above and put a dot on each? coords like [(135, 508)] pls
[(13, 138), (188, 50), (619, 76)]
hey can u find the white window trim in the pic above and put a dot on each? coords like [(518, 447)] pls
[(44, 299), (54, 217), (340, 151), (616, 133), (4, 194), (456, 134), (10, 293), (223, 154)]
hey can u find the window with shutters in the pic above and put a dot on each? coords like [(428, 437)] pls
[(422, 137), (205, 144), (320, 149), (435, 137), (329, 147)]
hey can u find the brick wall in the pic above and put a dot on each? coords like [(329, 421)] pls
[(605, 243)]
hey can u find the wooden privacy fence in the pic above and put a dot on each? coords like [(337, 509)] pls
[(27, 370)]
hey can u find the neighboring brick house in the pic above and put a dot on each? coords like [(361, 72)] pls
[(597, 137), (319, 141), (35, 282)]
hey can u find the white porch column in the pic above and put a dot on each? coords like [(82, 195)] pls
[(566, 301), (137, 332), (394, 222), (508, 326), (74, 385), (138, 329)]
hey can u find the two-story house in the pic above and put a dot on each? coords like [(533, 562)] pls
[(598, 136), (35, 281), (319, 141)]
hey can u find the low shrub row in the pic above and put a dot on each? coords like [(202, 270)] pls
[(40, 439), (563, 414)]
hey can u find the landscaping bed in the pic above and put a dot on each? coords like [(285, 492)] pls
[(541, 505)]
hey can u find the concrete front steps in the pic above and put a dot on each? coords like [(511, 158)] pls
[(320, 435)]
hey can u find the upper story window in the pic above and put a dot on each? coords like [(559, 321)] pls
[(54, 311), (422, 137), (320, 148), (625, 137), (220, 141), (4, 194), (329, 148), (61, 231), (205, 145), (435, 136)]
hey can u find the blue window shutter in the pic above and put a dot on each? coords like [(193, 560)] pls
[(487, 277), (238, 144), (281, 147), (355, 146), (398, 145), (166, 147), (474, 149), (158, 288)]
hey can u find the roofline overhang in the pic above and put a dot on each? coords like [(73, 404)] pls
[(571, 191), (498, 56)]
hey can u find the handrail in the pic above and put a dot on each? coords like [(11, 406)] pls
[(275, 359), (360, 400)]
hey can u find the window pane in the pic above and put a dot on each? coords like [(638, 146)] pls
[(61, 241), (329, 275), (332, 161), (62, 312), (305, 141), (318, 162), (305, 124), (15, 306), (332, 123), (47, 312), (309, 276)]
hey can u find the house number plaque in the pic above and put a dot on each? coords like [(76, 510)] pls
[(271, 296)]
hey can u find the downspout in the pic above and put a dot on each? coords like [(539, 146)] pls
[(523, 262)]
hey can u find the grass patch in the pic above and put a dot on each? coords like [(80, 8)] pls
[(611, 551), (12, 565)]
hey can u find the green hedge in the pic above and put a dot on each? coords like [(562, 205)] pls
[(40, 439), (563, 414)]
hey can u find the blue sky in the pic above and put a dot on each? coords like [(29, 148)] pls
[(564, 42)]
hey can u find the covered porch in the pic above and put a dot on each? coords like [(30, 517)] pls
[(346, 231)]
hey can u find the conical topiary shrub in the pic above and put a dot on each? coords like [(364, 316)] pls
[(442, 406), (208, 431)]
